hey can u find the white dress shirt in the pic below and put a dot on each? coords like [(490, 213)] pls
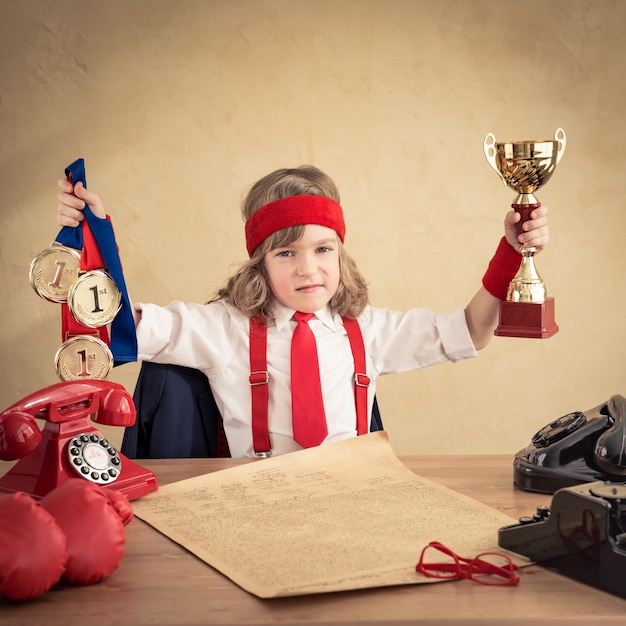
[(215, 339)]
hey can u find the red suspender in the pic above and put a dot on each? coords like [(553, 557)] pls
[(259, 381), (361, 380)]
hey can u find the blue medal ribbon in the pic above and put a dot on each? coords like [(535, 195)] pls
[(123, 341)]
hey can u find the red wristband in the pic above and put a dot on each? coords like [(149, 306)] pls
[(501, 270)]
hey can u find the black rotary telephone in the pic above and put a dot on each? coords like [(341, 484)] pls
[(580, 447)]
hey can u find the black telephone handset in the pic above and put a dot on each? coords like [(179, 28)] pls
[(579, 447), (69, 445)]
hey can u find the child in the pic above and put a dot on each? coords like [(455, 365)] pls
[(294, 236)]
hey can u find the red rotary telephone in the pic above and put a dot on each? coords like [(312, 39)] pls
[(69, 445)]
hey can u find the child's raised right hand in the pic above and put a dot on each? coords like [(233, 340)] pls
[(72, 201)]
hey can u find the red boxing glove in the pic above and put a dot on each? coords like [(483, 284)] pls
[(93, 526), (33, 551), (121, 505)]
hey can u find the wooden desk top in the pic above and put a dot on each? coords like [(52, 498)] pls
[(159, 582)]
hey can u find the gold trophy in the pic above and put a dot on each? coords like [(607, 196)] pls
[(525, 166)]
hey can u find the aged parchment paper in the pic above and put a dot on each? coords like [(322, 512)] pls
[(348, 515)]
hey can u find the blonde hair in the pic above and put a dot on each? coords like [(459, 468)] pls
[(248, 289)]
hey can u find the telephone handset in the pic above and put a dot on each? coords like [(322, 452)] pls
[(580, 447), (69, 445)]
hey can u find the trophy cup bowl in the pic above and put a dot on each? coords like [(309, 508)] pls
[(524, 167)]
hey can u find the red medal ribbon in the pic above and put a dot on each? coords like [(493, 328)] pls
[(90, 259)]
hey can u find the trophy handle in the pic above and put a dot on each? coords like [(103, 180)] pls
[(490, 151), (559, 136)]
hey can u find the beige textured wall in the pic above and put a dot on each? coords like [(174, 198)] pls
[(177, 106)]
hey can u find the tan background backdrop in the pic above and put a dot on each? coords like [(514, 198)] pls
[(177, 106)]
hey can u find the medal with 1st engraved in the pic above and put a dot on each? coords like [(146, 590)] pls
[(94, 299), (83, 356), (53, 272)]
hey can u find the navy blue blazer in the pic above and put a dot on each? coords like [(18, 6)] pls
[(177, 416)]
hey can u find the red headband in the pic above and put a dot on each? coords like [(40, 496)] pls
[(293, 211)]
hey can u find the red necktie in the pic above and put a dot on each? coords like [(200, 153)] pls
[(307, 406)]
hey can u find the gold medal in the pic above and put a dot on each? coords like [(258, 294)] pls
[(54, 271), (82, 357), (94, 299)]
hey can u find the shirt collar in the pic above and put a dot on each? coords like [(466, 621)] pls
[(283, 315)]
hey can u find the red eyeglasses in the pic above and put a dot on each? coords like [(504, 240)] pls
[(487, 568)]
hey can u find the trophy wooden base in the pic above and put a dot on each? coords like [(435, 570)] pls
[(527, 319)]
